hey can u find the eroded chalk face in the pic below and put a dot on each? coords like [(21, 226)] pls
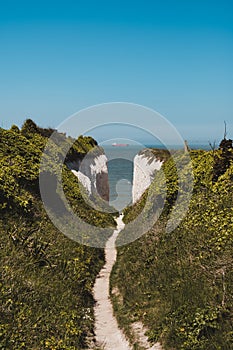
[(92, 172), (145, 166)]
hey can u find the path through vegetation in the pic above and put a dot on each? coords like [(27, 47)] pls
[(108, 334)]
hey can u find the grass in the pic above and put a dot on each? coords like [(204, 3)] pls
[(46, 279), (180, 284)]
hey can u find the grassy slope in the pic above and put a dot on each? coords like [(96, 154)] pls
[(46, 279), (180, 284)]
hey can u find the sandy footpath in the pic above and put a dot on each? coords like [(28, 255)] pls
[(108, 334)]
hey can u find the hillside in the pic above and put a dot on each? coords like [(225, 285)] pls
[(180, 283), (46, 279)]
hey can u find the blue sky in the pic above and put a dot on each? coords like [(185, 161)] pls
[(58, 57)]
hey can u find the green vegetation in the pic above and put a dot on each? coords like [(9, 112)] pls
[(46, 279), (160, 153), (180, 284)]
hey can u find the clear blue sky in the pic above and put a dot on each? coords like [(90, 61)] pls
[(57, 57)]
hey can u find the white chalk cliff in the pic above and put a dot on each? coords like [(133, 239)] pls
[(92, 172), (145, 166)]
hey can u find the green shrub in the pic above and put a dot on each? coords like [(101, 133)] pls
[(46, 279), (180, 283)]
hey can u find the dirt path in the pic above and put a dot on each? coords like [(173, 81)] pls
[(139, 331), (108, 334)]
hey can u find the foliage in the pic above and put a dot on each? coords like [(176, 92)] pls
[(180, 283), (45, 278), (222, 161)]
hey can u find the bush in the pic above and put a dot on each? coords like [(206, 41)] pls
[(180, 283), (45, 279)]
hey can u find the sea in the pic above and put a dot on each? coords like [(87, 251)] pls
[(120, 171)]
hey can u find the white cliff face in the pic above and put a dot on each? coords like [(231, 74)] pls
[(100, 164), (85, 181), (93, 174), (99, 176), (145, 166)]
